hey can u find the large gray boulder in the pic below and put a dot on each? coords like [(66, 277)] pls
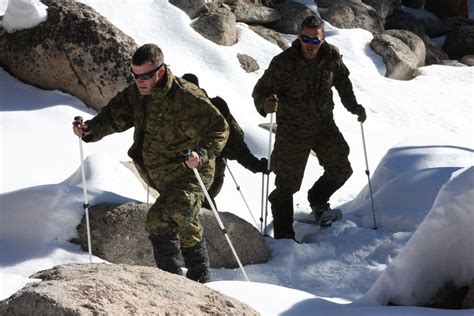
[(119, 236), (247, 240), (255, 14), (292, 14), (76, 50), (193, 8), (404, 21), (271, 36), (217, 24), (402, 51), (350, 14), (109, 289)]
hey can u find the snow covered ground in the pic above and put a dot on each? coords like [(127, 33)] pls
[(419, 138)]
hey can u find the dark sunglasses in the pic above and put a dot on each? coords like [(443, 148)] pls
[(146, 75), (307, 39)]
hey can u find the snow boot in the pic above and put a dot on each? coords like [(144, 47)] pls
[(196, 260), (324, 215), (282, 211), (167, 253)]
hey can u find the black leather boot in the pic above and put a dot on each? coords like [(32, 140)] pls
[(196, 260), (167, 253), (282, 211)]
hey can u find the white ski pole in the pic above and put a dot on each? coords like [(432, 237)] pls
[(367, 172), (237, 186), (273, 97), (147, 194), (221, 225), (262, 204), (269, 155), (78, 120)]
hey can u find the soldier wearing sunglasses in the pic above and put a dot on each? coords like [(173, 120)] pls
[(302, 77), (170, 116)]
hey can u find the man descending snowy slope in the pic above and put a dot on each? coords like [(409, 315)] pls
[(297, 86), (170, 116)]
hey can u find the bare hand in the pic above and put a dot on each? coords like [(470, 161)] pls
[(193, 160)]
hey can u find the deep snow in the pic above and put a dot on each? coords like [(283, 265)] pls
[(419, 142)]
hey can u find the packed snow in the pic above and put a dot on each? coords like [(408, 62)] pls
[(419, 141)]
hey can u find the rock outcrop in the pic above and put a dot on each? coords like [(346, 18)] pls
[(217, 24), (76, 50), (119, 236), (109, 289), (248, 63), (402, 51)]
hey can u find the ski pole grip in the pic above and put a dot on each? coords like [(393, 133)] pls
[(78, 120), (273, 97)]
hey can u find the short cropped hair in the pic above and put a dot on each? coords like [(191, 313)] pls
[(148, 53), (312, 22)]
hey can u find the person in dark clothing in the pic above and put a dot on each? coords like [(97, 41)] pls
[(234, 149), (302, 78)]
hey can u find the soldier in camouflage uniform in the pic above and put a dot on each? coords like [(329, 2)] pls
[(170, 116), (302, 77), (235, 148)]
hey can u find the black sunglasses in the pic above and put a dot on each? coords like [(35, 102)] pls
[(307, 39), (146, 75)]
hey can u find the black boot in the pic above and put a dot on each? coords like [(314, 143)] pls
[(282, 211), (196, 260), (325, 215), (167, 253)]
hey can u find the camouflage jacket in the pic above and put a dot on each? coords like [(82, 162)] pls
[(304, 88), (175, 117)]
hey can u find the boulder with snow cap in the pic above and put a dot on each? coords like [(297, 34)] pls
[(76, 50)]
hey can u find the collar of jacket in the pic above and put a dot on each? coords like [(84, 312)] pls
[(160, 92)]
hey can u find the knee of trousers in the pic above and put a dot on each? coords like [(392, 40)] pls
[(279, 196), (173, 214), (339, 174), (344, 173)]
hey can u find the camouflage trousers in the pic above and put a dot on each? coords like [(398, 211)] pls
[(290, 156), (176, 212)]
